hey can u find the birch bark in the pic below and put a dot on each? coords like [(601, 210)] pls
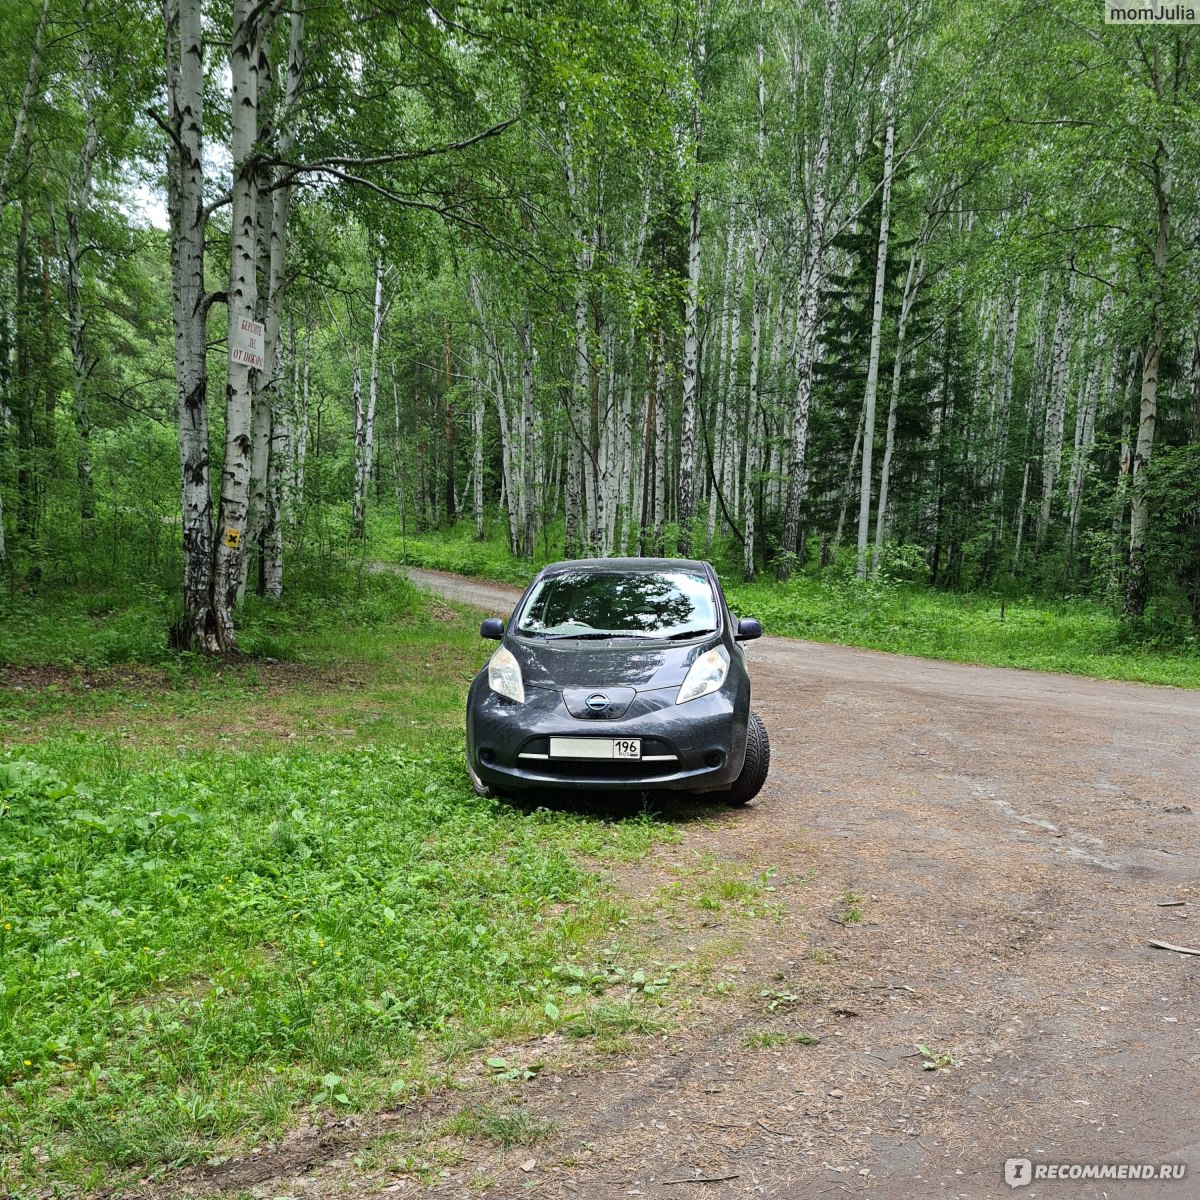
[(79, 190), (716, 432), (752, 471), (273, 409), (527, 439), (33, 76), (812, 277), (686, 494), (578, 518), (1056, 409), (302, 431), (912, 282), (730, 442), (184, 57), (242, 300), (868, 441), (1137, 587), (364, 439)]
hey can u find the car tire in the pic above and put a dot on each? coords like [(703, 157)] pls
[(758, 762)]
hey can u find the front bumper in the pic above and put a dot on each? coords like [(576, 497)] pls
[(698, 746)]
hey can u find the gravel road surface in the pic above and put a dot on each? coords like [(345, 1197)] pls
[(1013, 841)]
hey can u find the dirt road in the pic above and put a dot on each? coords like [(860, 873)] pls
[(1011, 840)]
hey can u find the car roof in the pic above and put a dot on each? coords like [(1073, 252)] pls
[(612, 565)]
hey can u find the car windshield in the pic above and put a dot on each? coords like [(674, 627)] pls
[(604, 604)]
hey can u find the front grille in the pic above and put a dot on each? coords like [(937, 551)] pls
[(534, 757), (598, 770)]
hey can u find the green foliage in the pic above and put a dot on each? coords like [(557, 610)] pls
[(197, 942), (454, 550), (1076, 636), (898, 613)]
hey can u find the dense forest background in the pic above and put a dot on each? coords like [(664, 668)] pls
[(831, 286)]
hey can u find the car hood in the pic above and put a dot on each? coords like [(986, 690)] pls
[(639, 665)]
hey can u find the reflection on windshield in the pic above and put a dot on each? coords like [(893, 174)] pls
[(598, 604)]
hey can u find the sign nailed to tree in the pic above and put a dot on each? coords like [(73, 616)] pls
[(247, 345)]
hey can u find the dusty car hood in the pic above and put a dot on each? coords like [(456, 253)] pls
[(638, 665)]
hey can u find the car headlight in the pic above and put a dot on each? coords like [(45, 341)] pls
[(504, 675), (707, 674)]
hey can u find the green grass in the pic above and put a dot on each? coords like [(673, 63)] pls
[(456, 550), (229, 894), (771, 1039), (507, 1127), (1077, 636)]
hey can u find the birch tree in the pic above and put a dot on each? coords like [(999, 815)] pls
[(811, 279), (190, 304), (868, 439)]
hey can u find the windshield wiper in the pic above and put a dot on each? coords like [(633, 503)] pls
[(686, 633), (594, 636)]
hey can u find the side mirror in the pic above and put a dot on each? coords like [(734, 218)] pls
[(748, 629), (492, 628)]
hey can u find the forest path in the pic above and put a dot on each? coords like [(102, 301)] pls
[(1009, 838)]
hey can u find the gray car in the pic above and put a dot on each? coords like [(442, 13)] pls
[(618, 674)]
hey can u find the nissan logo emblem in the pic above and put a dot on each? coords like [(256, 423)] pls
[(597, 702)]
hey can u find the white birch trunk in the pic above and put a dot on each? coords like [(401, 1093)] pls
[(302, 423), (662, 450), (33, 75), (1016, 561), (1138, 585), (812, 278), (1056, 409), (912, 281), (868, 440), (399, 465), (79, 190), (261, 416), (284, 440), (686, 493), (184, 55), (775, 367), (579, 513), (1125, 465), (495, 384), (611, 429), (478, 409), (1004, 405), (716, 433), (1085, 431), (731, 443), (242, 301), (276, 412), (364, 439), (360, 441), (528, 491), (751, 473)]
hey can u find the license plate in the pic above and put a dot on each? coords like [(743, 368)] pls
[(565, 747)]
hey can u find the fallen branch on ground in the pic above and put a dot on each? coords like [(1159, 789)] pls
[(1177, 949)]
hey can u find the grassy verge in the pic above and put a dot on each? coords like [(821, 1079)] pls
[(1077, 636), (457, 550), (231, 896)]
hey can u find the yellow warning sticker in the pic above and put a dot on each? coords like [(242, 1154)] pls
[(233, 538)]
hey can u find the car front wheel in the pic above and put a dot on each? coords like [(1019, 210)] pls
[(758, 762)]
